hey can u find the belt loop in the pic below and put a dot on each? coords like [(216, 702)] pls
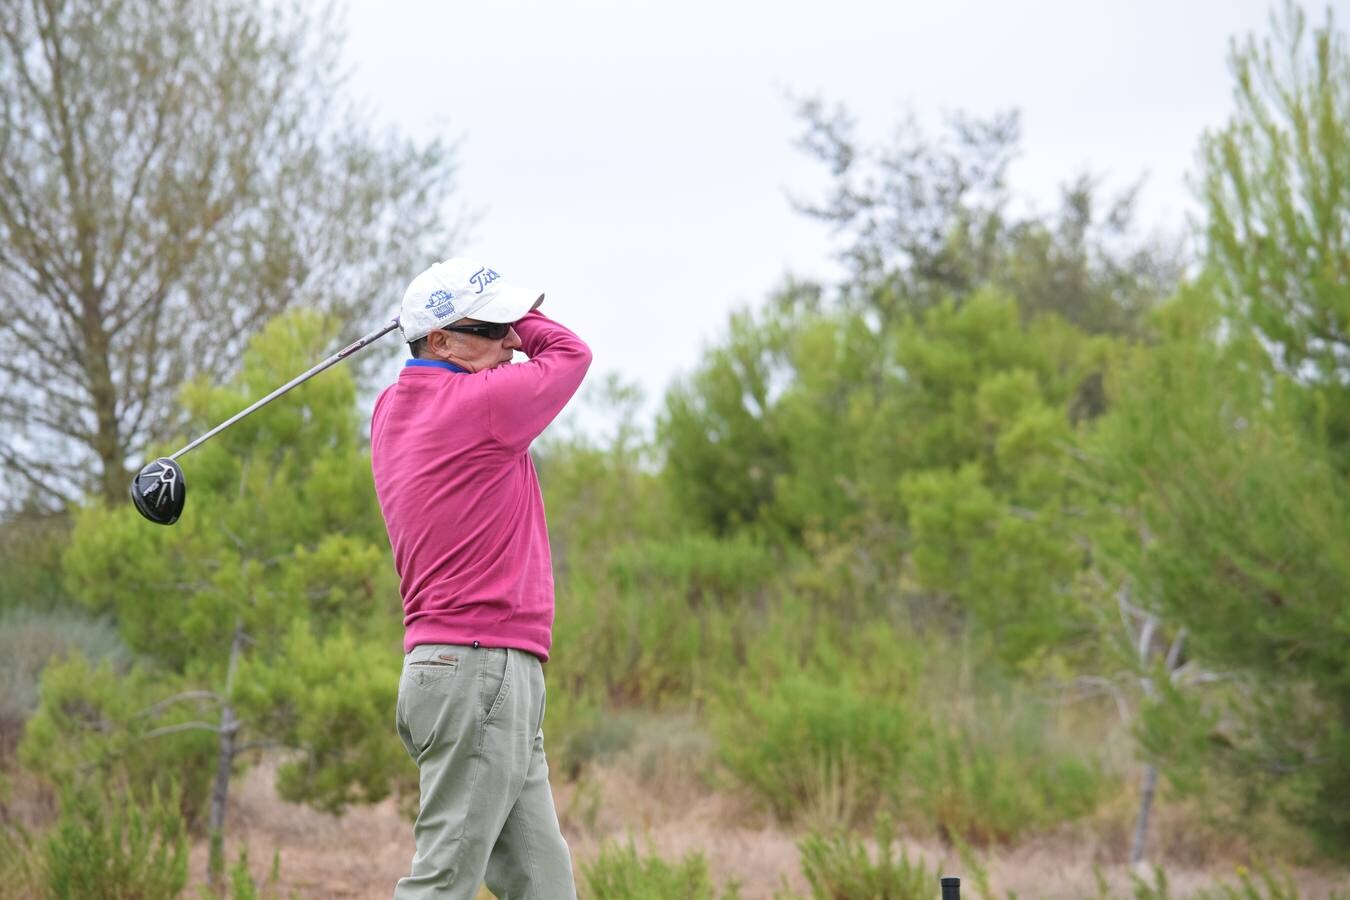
[(475, 645)]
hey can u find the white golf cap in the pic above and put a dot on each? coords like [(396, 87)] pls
[(461, 288)]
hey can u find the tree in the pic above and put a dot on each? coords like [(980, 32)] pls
[(1227, 447), (990, 410), (929, 456), (172, 174), (1276, 186), (927, 217), (267, 616), (723, 451), (1230, 523)]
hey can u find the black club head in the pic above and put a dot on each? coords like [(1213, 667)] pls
[(159, 491)]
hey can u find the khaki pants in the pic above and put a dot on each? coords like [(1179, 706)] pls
[(472, 719)]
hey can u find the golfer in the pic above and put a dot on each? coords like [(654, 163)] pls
[(450, 453)]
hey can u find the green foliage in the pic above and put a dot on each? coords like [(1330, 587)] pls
[(243, 886), (100, 729), (881, 727), (702, 570), (662, 620), (987, 493), (30, 562), (1259, 885), (1225, 452), (723, 453), (282, 521), (932, 452), (117, 847), (814, 747), (1244, 514), (241, 880), (329, 697), (840, 867), (619, 873), (29, 640), (249, 607), (840, 484), (1276, 184), (999, 777), (1156, 889)]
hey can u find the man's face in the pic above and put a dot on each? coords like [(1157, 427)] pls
[(471, 351)]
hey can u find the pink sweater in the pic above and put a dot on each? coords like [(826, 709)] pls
[(461, 501)]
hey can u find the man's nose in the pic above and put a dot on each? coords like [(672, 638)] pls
[(512, 340)]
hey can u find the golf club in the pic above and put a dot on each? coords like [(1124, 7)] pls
[(159, 490)]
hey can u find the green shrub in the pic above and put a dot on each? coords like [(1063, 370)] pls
[(882, 725), (998, 777), (29, 639), (110, 846), (655, 622), (1261, 884), (839, 867), (814, 745), (30, 562), (701, 568), (640, 645), (95, 726), (618, 873), (243, 886)]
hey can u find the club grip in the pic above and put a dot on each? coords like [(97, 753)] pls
[(951, 887)]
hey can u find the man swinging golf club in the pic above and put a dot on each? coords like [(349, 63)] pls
[(450, 454)]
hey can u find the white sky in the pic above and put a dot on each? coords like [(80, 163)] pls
[(634, 160)]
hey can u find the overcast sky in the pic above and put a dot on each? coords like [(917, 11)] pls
[(634, 160)]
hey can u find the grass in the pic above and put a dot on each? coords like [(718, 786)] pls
[(619, 872)]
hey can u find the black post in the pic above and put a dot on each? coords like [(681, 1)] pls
[(951, 887)]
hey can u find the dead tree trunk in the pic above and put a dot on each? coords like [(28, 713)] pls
[(1145, 807), (1140, 841), (220, 791)]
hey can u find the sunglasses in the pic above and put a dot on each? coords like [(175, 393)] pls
[(493, 331)]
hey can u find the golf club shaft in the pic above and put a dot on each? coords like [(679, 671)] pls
[(335, 358)]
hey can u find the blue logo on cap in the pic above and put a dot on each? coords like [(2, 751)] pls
[(440, 304), (482, 278)]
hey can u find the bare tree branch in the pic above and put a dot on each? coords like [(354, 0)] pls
[(185, 696), (182, 726), (172, 172)]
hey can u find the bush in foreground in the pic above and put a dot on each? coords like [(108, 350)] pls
[(839, 867), (116, 847), (29, 640), (619, 873)]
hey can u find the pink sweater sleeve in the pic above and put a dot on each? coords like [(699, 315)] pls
[(524, 398)]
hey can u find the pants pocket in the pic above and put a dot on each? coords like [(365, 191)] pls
[(424, 670), (494, 682), (427, 699)]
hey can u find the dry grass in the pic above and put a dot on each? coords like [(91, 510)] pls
[(668, 803), (665, 795)]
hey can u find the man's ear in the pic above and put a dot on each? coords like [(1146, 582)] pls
[(437, 343)]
